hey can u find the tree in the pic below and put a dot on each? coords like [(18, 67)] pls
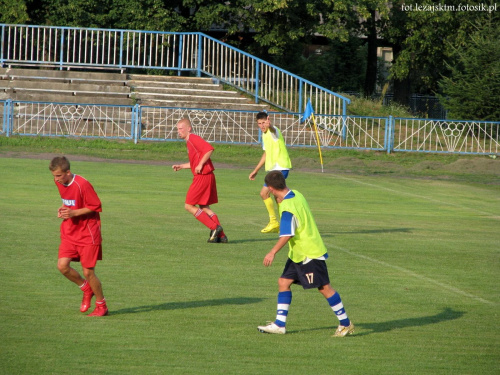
[(13, 11), (472, 90), (340, 67), (422, 41)]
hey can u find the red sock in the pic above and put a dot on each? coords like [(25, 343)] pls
[(86, 287), (216, 220), (203, 217)]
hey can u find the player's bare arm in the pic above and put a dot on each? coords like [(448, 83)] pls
[(203, 160), (282, 241), (256, 170), (66, 212), (178, 167)]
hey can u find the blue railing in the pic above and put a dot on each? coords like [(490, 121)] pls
[(148, 123), (72, 47)]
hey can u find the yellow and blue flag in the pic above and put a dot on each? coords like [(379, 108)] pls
[(308, 112)]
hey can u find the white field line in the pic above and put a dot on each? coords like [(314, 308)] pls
[(493, 216), (432, 281), (416, 275)]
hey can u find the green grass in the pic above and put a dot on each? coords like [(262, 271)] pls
[(415, 260), (469, 168)]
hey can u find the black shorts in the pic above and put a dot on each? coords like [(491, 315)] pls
[(313, 274)]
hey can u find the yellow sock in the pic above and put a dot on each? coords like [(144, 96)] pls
[(270, 208)]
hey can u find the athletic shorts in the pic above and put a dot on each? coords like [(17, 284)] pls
[(313, 274), (86, 255), (203, 190), (284, 172)]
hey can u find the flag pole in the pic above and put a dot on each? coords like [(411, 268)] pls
[(317, 141)]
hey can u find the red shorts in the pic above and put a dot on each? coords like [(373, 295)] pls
[(86, 255), (203, 190)]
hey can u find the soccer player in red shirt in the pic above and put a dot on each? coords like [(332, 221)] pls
[(203, 189), (80, 233)]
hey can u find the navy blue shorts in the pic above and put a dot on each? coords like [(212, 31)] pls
[(313, 274), (284, 172)]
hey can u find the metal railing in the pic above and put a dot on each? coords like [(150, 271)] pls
[(149, 123), (71, 47), (466, 137)]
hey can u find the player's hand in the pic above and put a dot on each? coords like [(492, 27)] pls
[(65, 213), (176, 167), (268, 259), (198, 169), (252, 176)]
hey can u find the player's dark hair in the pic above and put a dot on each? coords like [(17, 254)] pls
[(263, 116), (59, 162), (276, 180)]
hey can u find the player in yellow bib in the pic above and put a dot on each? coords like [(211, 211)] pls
[(307, 254), (275, 158)]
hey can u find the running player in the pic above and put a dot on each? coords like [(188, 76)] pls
[(203, 189), (80, 233), (275, 158), (306, 264)]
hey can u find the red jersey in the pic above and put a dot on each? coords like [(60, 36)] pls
[(86, 229), (197, 147)]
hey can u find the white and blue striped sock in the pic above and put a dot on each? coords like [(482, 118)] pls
[(338, 308), (284, 301)]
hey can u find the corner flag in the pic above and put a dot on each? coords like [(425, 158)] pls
[(308, 112)]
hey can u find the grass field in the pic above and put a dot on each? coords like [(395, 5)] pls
[(416, 262)]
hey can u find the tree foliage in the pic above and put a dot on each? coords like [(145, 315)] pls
[(13, 11), (472, 90), (429, 46)]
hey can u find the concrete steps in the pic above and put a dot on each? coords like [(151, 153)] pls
[(68, 76), (64, 86), (187, 92), (69, 86)]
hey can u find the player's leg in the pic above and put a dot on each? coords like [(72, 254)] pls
[(67, 253), (89, 257), (94, 282), (283, 305), (63, 265), (202, 192), (273, 226), (284, 301), (200, 215), (221, 236), (346, 327)]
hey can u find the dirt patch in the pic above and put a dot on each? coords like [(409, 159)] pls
[(49, 156), (475, 166), (386, 166), (427, 166), (304, 163), (347, 162)]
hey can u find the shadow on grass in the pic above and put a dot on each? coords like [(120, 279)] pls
[(371, 231), (381, 327), (187, 305), (267, 239)]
